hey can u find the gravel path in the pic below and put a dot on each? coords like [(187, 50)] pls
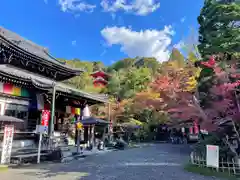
[(155, 162)]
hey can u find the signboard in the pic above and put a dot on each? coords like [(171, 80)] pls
[(7, 144), (212, 156), (41, 129), (45, 117)]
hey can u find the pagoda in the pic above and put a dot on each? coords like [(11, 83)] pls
[(100, 78)]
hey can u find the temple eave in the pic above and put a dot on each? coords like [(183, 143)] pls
[(21, 77), (15, 45), (99, 73)]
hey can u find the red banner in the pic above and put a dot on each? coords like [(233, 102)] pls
[(45, 117)]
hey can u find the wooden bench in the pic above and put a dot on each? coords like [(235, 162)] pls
[(23, 157)]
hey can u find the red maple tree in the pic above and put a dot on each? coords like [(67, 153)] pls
[(184, 105)]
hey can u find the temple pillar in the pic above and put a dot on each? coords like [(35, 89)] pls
[(80, 133), (51, 123), (93, 135), (89, 136)]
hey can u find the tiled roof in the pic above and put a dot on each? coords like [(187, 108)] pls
[(26, 75), (65, 88), (44, 82), (31, 47)]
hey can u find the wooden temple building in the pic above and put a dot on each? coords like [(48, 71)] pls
[(30, 81)]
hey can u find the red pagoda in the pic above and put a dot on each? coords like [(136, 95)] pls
[(100, 78)]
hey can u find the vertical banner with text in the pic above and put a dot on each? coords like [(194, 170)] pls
[(7, 144), (45, 118)]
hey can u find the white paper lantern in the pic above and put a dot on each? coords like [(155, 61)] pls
[(86, 111)]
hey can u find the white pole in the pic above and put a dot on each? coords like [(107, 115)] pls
[(39, 148), (78, 140)]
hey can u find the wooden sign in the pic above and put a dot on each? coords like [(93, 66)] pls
[(7, 144)]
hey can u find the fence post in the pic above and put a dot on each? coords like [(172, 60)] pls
[(192, 157), (234, 169), (198, 159), (222, 166), (229, 170)]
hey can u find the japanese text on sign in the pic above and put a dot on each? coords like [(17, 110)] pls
[(45, 117), (7, 144)]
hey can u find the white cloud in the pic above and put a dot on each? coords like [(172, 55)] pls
[(183, 19), (138, 7), (179, 45), (76, 6), (147, 43), (74, 43)]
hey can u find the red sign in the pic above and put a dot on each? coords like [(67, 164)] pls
[(212, 147), (45, 117)]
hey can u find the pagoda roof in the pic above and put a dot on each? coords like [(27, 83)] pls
[(44, 83), (37, 52), (99, 71), (99, 79)]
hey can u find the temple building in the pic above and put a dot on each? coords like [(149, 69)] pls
[(31, 81), (100, 78)]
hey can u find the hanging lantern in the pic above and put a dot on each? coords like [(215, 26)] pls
[(79, 125), (86, 111), (77, 111)]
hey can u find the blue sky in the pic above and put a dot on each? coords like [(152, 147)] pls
[(102, 30)]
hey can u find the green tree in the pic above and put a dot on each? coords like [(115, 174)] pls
[(114, 83), (84, 81), (98, 65), (122, 64), (124, 83), (138, 79), (177, 57), (219, 30), (151, 63)]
